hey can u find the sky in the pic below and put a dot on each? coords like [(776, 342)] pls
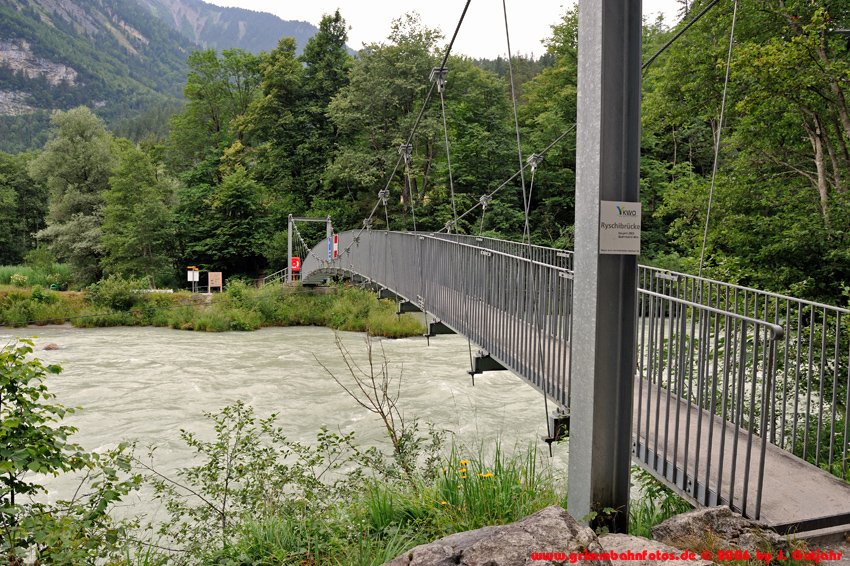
[(482, 34)]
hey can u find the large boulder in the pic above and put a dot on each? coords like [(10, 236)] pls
[(717, 528), (546, 538)]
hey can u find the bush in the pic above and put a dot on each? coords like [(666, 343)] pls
[(115, 292), (36, 442), (19, 280)]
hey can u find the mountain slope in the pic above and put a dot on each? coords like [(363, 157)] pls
[(124, 58), (112, 55), (225, 28)]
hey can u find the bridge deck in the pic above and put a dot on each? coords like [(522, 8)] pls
[(794, 493)]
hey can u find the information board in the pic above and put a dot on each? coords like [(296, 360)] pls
[(214, 279), (619, 227)]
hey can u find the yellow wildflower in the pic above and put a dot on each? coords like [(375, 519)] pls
[(462, 470), (487, 475), (464, 462), (444, 502), (463, 477)]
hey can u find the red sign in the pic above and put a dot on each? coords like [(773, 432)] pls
[(336, 245), (296, 264)]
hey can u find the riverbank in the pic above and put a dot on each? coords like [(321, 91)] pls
[(114, 302)]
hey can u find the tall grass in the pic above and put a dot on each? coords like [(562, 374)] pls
[(388, 518), (58, 274)]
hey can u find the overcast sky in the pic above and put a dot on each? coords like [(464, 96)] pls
[(483, 31)]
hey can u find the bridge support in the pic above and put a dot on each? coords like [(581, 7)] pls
[(384, 293), (602, 358), (407, 306), (436, 328), (291, 220), (482, 361)]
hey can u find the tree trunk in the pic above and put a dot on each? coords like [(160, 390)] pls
[(817, 145)]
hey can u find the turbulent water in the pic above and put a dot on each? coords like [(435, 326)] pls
[(145, 384)]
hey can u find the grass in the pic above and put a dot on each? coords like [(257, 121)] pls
[(115, 302), (57, 274), (389, 518)]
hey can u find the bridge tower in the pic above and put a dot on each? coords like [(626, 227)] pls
[(607, 177)]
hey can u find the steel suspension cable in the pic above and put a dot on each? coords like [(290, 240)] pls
[(525, 201), (507, 181), (430, 93), (718, 137), (679, 34), (448, 154)]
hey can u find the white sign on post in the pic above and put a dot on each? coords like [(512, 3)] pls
[(193, 276), (619, 227)]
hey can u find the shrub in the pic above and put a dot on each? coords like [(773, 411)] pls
[(115, 292), (36, 441), (19, 280)]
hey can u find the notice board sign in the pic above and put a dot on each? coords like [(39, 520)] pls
[(214, 281), (619, 227)]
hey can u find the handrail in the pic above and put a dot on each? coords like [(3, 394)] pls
[(777, 331)]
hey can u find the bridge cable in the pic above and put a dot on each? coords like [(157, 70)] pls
[(367, 221), (304, 244), (525, 201), (512, 177), (406, 151), (717, 140), (438, 75), (679, 34)]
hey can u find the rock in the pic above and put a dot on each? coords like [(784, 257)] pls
[(51, 346), (716, 528), (638, 551), (551, 530)]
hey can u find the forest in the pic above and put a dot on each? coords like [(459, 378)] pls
[(263, 136)]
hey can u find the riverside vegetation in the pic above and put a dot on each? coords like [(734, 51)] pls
[(115, 301)]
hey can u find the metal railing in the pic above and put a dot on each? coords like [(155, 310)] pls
[(704, 376), (276, 277), (549, 256), (514, 307), (809, 401), (719, 366)]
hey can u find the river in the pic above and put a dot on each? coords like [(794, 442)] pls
[(145, 384)]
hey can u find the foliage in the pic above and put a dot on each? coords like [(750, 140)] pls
[(138, 230), (655, 504), (33, 440), (255, 497), (75, 166), (45, 274), (251, 470), (23, 206), (115, 293)]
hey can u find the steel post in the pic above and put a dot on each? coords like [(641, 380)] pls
[(330, 234), (289, 251), (603, 337)]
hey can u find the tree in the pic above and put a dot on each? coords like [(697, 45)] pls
[(138, 228), (374, 113), (218, 89), (224, 224), (549, 112), (75, 166), (23, 206)]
